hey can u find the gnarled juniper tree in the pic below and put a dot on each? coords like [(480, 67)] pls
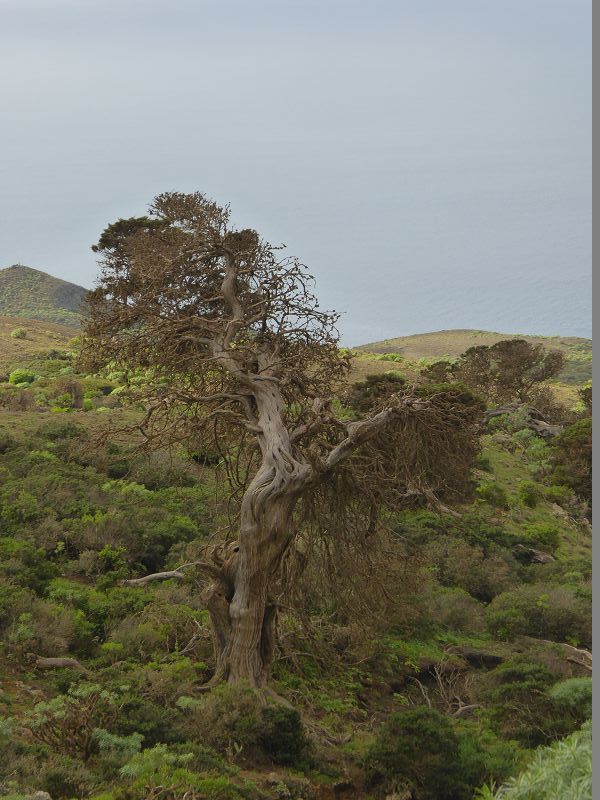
[(238, 356)]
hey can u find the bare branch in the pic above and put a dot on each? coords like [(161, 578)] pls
[(176, 574)]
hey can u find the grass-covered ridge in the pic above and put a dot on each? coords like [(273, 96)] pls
[(27, 292), (451, 343)]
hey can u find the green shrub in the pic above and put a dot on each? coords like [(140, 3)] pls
[(561, 771), (156, 723), (159, 629), (7, 440), (149, 772), (56, 430), (574, 696), (456, 610), (25, 564), (68, 723), (524, 438), (21, 376), (234, 716), (19, 333), (65, 777), (283, 737), (542, 534), (572, 458), (515, 422), (484, 756), (493, 494), (46, 628), (459, 564), (114, 750), (417, 751), (484, 463), (561, 495), (519, 703), (528, 493), (547, 612), (364, 395), (163, 682)]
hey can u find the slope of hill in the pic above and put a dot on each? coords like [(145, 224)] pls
[(27, 292), (40, 337), (488, 627), (444, 344)]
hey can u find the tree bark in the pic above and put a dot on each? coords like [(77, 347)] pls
[(241, 597), (241, 604), (240, 600)]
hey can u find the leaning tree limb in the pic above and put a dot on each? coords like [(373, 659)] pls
[(43, 662), (176, 574), (535, 419), (154, 576)]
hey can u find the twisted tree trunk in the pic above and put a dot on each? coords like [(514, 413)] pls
[(243, 612), (240, 597)]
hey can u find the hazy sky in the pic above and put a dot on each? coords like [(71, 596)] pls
[(429, 159)]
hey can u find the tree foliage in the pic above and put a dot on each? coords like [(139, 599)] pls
[(572, 458), (503, 372), (236, 357)]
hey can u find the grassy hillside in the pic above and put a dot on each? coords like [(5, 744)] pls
[(39, 337), (476, 657), (476, 632), (27, 292), (444, 344)]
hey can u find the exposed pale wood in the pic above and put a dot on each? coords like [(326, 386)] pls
[(44, 662)]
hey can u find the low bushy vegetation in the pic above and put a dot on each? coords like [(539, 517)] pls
[(459, 673)]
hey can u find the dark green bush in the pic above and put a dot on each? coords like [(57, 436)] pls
[(574, 696), (484, 756), (363, 396), (154, 722), (572, 458), (53, 431), (459, 564), (234, 715), (283, 737), (520, 703), (64, 777), (417, 750), (7, 440), (547, 612), (483, 463)]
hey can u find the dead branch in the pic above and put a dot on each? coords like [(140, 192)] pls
[(154, 576), (43, 662), (210, 569)]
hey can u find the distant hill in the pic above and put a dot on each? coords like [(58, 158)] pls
[(443, 344), (27, 292)]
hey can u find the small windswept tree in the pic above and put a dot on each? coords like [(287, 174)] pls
[(504, 372), (238, 358)]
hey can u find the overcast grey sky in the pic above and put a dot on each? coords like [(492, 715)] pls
[(429, 159)]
